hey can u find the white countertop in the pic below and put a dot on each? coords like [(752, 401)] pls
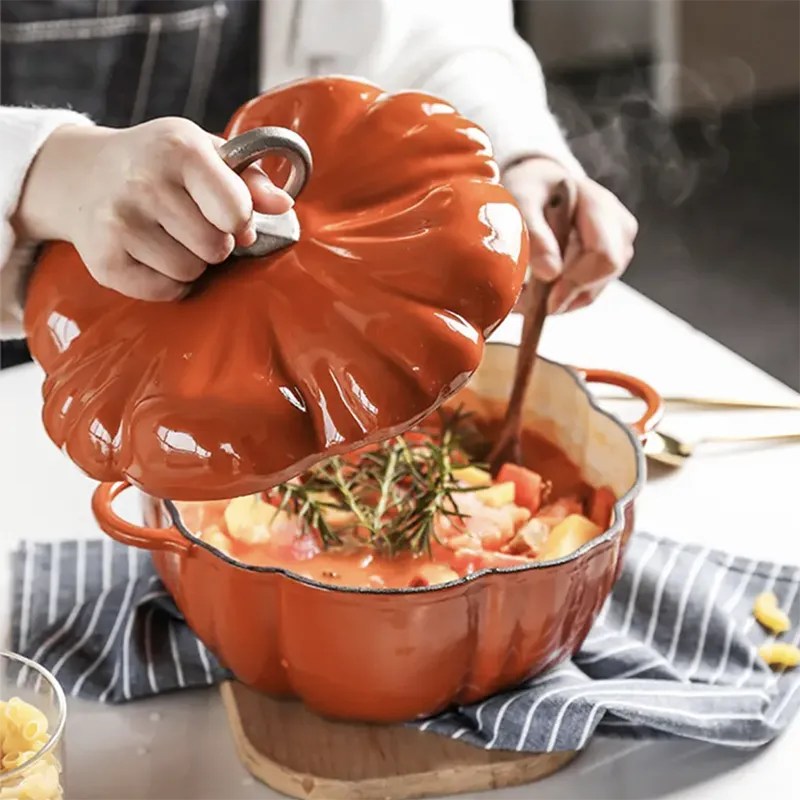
[(740, 498)]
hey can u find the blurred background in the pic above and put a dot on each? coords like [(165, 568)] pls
[(688, 109)]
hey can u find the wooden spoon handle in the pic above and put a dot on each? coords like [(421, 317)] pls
[(558, 213)]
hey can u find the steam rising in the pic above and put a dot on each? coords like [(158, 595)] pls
[(626, 143)]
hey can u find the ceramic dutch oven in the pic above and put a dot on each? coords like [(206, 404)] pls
[(357, 315), (387, 655)]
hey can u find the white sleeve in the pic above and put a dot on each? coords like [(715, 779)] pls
[(23, 131), (468, 53)]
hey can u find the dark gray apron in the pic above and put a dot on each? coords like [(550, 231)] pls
[(126, 61)]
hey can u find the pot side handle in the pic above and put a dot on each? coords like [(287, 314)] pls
[(165, 539), (638, 388)]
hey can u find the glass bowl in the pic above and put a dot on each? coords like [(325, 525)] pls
[(33, 713)]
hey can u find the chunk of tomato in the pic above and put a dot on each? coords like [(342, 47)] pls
[(418, 438), (528, 485), (601, 507)]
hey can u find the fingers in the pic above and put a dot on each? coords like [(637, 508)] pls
[(180, 217), (151, 245), (606, 231), (532, 182), (226, 199), (587, 274), (267, 198), (130, 277), (605, 226), (545, 258), (221, 195), (135, 256), (580, 299), (584, 299), (162, 204)]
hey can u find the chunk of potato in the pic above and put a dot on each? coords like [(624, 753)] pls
[(238, 513), (249, 518), (569, 535), (501, 494), (336, 518), (529, 539), (473, 476), (214, 537), (432, 574)]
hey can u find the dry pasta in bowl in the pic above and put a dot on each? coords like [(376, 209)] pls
[(32, 718)]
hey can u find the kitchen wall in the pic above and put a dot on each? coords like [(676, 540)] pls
[(707, 54), (569, 34), (724, 54)]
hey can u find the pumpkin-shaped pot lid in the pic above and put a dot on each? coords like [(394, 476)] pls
[(410, 254)]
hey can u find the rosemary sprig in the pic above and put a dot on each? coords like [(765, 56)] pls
[(396, 491), (298, 499)]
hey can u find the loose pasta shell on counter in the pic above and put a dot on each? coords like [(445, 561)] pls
[(769, 614), (780, 654)]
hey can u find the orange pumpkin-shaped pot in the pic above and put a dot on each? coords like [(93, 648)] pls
[(411, 253), (388, 655)]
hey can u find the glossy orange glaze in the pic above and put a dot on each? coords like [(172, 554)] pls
[(387, 657), (410, 254)]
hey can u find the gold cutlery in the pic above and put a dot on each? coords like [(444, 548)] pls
[(713, 402), (674, 452)]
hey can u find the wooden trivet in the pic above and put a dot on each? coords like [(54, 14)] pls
[(292, 750)]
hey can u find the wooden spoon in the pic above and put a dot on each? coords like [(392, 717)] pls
[(559, 212)]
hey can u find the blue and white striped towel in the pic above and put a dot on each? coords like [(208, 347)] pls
[(672, 654)]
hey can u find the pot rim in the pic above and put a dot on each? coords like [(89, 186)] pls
[(615, 530)]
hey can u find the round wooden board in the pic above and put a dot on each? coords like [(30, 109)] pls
[(292, 750)]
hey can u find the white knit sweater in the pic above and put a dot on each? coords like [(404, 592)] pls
[(465, 51)]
